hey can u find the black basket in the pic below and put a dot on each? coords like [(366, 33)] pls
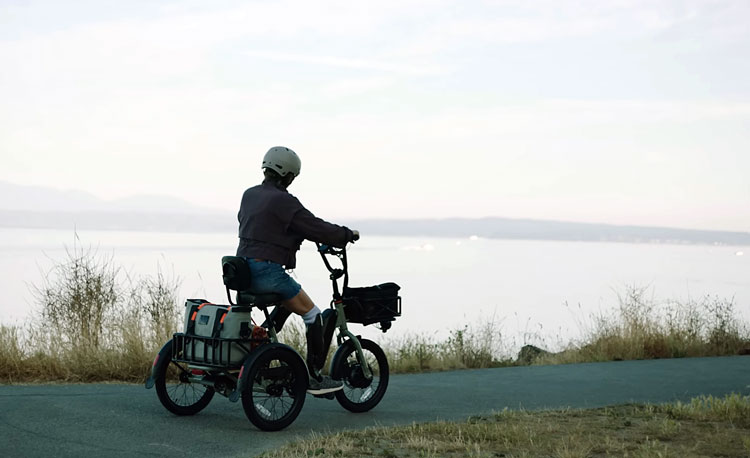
[(372, 304)]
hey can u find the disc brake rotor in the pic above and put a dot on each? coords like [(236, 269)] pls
[(357, 377)]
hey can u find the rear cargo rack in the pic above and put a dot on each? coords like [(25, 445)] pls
[(216, 353)]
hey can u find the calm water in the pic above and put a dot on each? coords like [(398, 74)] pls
[(531, 287)]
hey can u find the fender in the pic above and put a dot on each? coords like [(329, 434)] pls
[(250, 361), (162, 359), (345, 348)]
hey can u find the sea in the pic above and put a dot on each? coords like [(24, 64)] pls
[(531, 291)]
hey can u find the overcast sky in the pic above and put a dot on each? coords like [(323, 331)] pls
[(624, 112)]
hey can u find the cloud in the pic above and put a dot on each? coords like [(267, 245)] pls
[(413, 83)]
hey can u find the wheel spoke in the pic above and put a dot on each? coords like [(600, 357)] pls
[(175, 390), (274, 393), (182, 393), (272, 406), (357, 389)]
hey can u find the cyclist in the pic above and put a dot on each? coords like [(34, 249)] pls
[(272, 225)]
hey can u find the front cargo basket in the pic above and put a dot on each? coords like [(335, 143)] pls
[(372, 304)]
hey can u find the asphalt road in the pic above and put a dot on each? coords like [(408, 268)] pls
[(118, 420)]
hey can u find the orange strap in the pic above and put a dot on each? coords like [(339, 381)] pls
[(192, 318)]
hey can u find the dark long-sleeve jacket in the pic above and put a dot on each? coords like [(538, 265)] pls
[(273, 224)]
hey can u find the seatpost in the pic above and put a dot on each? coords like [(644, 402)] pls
[(272, 327)]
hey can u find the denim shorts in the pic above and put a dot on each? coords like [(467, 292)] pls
[(269, 277)]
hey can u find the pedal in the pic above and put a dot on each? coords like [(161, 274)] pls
[(325, 395)]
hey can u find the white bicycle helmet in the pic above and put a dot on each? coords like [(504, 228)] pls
[(282, 160)]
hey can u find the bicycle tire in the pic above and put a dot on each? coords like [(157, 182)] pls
[(276, 388), (183, 397), (359, 394)]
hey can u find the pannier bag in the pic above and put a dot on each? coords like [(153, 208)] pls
[(203, 319), (372, 304), (191, 310)]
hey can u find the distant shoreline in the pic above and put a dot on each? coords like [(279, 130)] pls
[(491, 228)]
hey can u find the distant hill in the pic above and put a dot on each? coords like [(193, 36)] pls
[(496, 228), (529, 229), (120, 221), (39, 207), (43, 199)]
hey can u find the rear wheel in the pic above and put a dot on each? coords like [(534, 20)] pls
[(176, 392), (360, 394), (275, 390)]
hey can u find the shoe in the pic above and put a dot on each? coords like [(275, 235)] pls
[(316, 358), (324, 385)]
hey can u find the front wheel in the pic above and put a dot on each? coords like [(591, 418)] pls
[(176, 392), (275, 390), (360, 394)]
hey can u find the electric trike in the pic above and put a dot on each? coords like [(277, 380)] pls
[(223, 351)]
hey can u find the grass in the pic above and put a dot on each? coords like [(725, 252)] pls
[(92, 323), (705, 426), (95, 323), (641, 328), (470, 347)]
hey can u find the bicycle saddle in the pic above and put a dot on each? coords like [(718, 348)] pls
[(236, 277)]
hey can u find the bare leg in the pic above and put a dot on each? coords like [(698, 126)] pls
[(316, 353), (299, 304)]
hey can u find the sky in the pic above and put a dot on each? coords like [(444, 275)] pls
[(620, 112)]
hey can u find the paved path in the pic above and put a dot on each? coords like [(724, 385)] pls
[(117, 420)]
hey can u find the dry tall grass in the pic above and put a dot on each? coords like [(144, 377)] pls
[(91, 324), (642, 328), (468, 347), (95, 323)]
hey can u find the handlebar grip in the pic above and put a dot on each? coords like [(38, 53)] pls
[(355, 236)]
